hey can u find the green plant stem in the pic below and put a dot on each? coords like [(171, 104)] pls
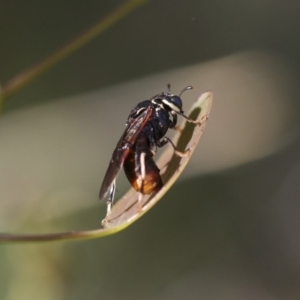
[(68, 235), (24, 78)]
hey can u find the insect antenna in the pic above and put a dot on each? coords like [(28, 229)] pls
[(189, 87), (169, 87)]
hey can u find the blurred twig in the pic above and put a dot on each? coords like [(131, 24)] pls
[(25, 77), (1, 99)]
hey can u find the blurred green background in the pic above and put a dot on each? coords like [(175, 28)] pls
[(230, 228)]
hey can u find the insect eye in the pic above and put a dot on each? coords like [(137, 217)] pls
[(176, 101)]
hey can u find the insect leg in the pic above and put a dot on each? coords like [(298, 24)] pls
[(202, 121), (143, 176), (190, 120), (166, 140), (111, 197), (174, 120)]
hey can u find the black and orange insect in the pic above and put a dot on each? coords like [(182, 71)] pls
[(145, 130)]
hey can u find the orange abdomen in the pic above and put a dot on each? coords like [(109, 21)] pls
[(132, 166)]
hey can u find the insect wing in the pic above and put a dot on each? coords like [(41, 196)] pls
[(134, 128)]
